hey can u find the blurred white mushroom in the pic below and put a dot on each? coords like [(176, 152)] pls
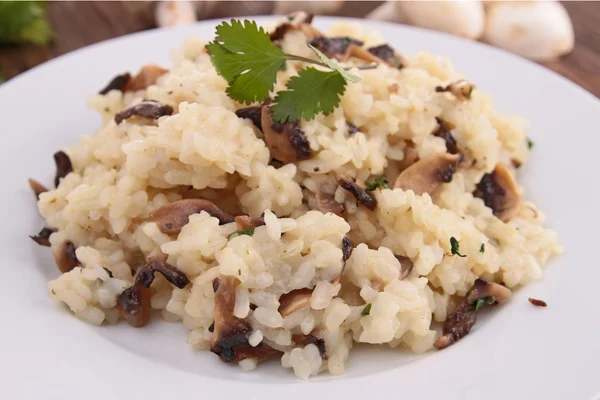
[(314, 7), (386, 12), (462, 18), (174, 13), (537, 30)]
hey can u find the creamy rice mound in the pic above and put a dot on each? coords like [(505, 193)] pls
[(122, 173)]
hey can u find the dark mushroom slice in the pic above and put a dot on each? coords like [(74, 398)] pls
[(286, 142), (459, 323), (246, 221), (387, 54), (427, 174), (134, 302), (173, 216), (500, 192), (148, 108), (293, 301), (65, 257), (326, 203), (336, 47), (361, 195), (119, 82), (230, 334), (304, 340), (444, 131), (537, 302), (253, 114), (406, 266), (63, 166), (37, 187), (461, 89), (346, 249), (352, 129), (298, 20), (43, 238), (145, 77)]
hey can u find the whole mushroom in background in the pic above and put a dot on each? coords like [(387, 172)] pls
[(539, 30)]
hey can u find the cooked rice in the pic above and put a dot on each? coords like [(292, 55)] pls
[(124, 172)]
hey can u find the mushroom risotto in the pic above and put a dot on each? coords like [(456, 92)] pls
[(393, 213)]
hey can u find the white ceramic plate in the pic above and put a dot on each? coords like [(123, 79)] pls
[(517, 352)]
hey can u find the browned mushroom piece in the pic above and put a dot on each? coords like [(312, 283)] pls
[(388, 55), (63, 166), (246, 221), (361, 195), (253, 114), (500, 192), (65, 257), (411, 156), (119, 82), (459, 323), (173, 216), (147, 76), (326, 203), (37, 187), (43, 238), (461, 89), (298, 20), (406, 266), (427, 174), (537, 302), (304, 340), (340, 48), (346, 249), (293, 301), (134, 302), (148, 108), (286, 142), (444, 131), (230, 334)]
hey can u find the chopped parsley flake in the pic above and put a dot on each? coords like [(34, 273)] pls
[(379, 182), (482, 248), (483, 301), (366, 310), (454, 247), (249, 232), (530, 144)]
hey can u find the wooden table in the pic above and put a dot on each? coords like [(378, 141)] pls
[(78, 24)]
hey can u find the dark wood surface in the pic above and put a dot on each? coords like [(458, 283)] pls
[(78, 24)]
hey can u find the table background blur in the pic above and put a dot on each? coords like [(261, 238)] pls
[(78, 24)]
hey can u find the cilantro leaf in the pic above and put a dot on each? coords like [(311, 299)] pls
[(483, 301), (482, 248), (249, 232), (245, 56), (335, 66), (530, 144), (380, 182), (310, 92), (366, 310), (454, 247)]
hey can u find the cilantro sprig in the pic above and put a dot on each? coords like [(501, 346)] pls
[(245, 56)]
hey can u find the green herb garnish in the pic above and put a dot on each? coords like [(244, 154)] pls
[(454, 247), (482, 248), (249, 232), (244, 55), (366, 310), (470, 92), (530, 144), (24, 22), (481, 302), (379, 182)]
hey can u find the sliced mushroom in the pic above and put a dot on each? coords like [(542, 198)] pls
[(298, 20), (65, 257), (230, 334), (326, 203), (304, 340), (63, 166), (253, 114), (148, 108), (361, 195), (406, 266), (286, 142), (336, 47), (134, 302), (461, 89), (460, 322), (444, 131), (147, 76), (43, 238), (37, 187), (411, 156), (294, 301), (119, 82), (427, 174), (173, 216), (246, 221), (346, 249), (387, 54), (500, 192)]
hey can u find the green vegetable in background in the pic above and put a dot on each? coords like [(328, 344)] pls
[(24, 22)]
